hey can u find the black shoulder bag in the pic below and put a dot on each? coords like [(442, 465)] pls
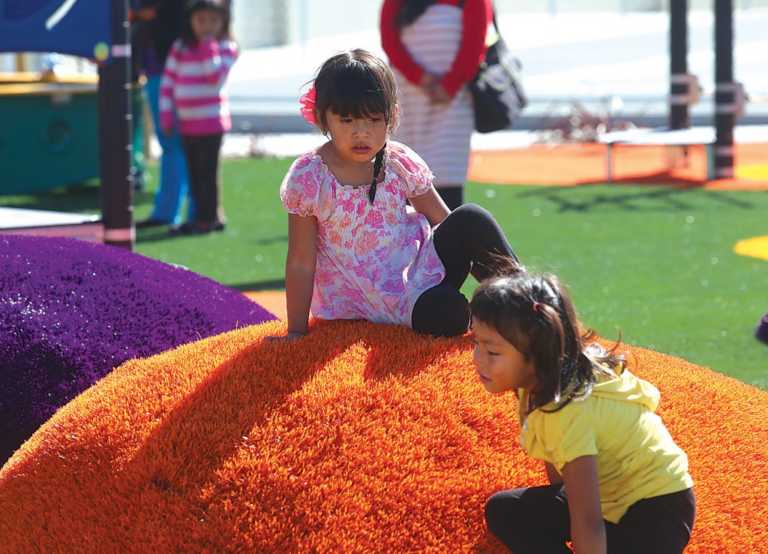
[(497, 90)]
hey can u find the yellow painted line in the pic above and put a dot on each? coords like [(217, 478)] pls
[(757, 172), (756, 247)]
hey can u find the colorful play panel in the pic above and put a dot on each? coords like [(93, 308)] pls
[(71, 311), (357, 438)]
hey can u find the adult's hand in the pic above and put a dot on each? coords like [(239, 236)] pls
[(440, 95), (432, 86), (428, 83)]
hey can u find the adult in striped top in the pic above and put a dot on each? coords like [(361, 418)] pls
[(192, 98), (436, 47)]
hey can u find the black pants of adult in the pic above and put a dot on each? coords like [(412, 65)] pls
[(536, 520), (202, 153), (468, 240)]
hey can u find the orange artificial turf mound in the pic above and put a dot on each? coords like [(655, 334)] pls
[(358, 438)]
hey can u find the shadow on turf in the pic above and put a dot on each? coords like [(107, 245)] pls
[(161, 234), (671, 197), (272, 284), (83, 197)]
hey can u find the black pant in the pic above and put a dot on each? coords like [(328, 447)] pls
[(469, 239), (536, 520), (202, 153)]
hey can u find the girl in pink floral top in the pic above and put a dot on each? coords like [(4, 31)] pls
[(356, 248)]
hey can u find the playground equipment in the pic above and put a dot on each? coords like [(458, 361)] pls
[(96, 29), (683, 91), (49, 134)]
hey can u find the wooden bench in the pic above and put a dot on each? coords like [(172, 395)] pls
[(657, 137)]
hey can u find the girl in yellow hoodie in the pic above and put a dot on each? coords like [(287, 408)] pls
[(619, 483)]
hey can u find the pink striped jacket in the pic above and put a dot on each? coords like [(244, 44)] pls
[(192, 87)]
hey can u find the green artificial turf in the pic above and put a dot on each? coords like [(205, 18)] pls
[(652, 264)]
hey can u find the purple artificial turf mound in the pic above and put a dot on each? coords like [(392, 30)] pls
[(71, 311)]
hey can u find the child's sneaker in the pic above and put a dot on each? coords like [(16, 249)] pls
[(761, 333)]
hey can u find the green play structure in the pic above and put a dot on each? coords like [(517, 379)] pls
[(49, 132)]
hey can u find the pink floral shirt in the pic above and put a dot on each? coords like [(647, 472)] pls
[(373, 261)]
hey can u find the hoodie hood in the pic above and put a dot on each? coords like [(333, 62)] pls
[(627, 387)]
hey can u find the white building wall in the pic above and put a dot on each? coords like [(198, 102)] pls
[(274, 22), (258, 23), (309, 19)]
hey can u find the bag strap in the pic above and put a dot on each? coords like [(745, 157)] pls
[(493, 9)]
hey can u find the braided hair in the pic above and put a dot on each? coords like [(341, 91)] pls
[(357, 84), (378, 164)]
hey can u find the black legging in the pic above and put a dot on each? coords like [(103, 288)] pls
[(536, 519), (468, 240), (202, 153)]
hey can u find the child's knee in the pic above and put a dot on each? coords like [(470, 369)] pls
[(444, 312), (497, 513), (472, 212), (453, 319)]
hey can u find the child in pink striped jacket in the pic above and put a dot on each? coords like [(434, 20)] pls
[(192, 97)]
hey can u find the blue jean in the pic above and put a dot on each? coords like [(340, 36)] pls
[(174, 176)]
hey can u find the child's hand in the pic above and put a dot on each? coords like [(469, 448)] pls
[(290, 337)]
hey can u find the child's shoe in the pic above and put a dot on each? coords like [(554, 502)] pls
[(761, 333)]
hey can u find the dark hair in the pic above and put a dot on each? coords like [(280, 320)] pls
[(357, 84), (221, 6), (535, 314), (411, 10)]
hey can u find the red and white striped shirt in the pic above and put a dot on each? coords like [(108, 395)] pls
[(193, 84), (476, 16)]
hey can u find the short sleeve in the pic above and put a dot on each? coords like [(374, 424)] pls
[(414, 172), (300, 190), (560, 437)]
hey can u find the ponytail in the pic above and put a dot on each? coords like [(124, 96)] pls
[(536, 315)]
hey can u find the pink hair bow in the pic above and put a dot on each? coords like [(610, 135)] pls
[(308, 102)]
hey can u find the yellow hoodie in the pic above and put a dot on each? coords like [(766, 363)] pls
[(636, 456)]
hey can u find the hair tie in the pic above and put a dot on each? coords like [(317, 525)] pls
[(538, 307), (308, 103)]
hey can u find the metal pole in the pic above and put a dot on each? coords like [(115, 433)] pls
[(679, 84), (115, 113), (725, 88)]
